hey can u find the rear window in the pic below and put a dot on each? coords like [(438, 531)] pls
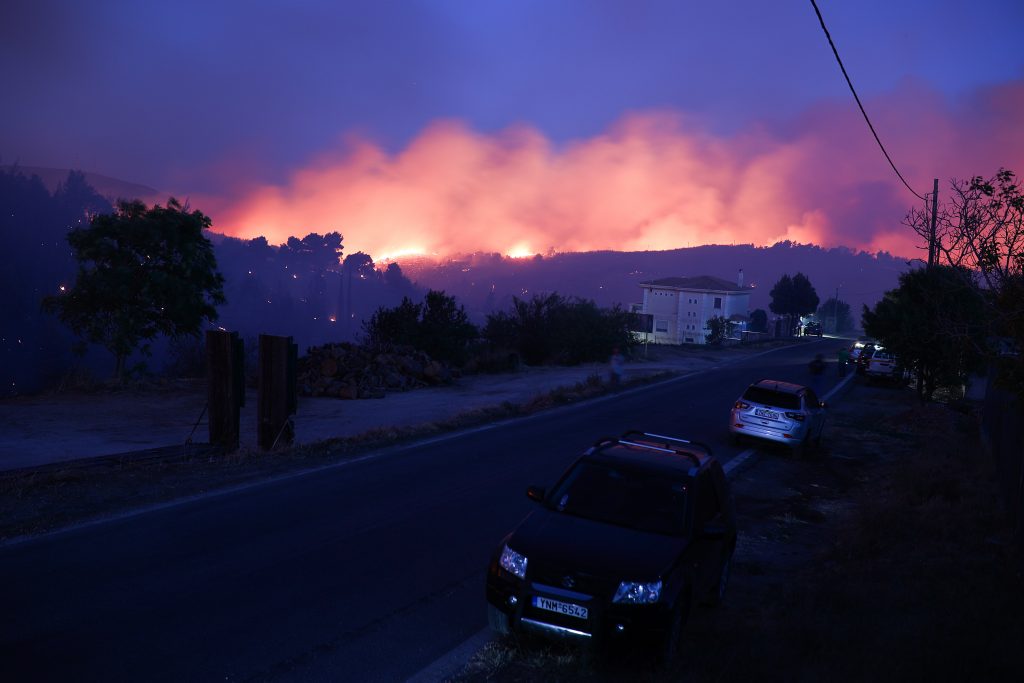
[(770, 397)]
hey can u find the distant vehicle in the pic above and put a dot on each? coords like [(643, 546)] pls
[(777, 411), (812, 329), (884, 366), (635, 533), (864, 357)]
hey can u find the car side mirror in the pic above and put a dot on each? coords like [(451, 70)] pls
[(535, 493)]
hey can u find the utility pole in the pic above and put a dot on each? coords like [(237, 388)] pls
[(835, 312), (931, 232), (931, 262)]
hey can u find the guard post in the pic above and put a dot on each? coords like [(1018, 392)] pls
[(277, 396), (225, 387)]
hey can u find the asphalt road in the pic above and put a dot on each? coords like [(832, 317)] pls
[(366, 571)]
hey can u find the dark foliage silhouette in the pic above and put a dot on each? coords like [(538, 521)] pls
[(34, 348), (438, 326), (142, 272), (554, 329)]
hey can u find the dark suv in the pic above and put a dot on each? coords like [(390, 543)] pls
[(638, 530), (812, 329)]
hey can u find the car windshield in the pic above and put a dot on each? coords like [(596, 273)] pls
[(770, 397), (624, 497)]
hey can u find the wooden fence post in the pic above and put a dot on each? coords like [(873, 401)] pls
[(277, 394), (225, 386)]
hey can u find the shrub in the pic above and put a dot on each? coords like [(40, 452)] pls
[(554, 329)]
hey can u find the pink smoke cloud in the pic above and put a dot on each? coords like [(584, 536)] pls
[(655, 180)]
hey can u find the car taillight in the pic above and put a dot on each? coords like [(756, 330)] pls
[(799, 417), (740, 405)]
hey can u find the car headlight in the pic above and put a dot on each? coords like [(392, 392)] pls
[(513, 562), (633, 593)]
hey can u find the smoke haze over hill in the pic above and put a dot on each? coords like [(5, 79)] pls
[(488, 281), (302, 289)]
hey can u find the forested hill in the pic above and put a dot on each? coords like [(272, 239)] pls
[(109, 188), (486, 281)]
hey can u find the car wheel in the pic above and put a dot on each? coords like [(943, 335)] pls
[(809, 447), (497, 620), (717, 593), (673, 637)]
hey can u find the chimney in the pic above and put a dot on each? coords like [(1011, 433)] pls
[(739, 279)]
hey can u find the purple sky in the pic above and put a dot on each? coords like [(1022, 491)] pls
[(186, 96)]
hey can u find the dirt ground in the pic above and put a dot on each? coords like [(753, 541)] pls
[(886, 557)]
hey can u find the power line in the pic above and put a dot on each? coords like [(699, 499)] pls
[(850, 83)]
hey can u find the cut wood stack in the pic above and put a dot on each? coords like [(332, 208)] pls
[(349, 371)]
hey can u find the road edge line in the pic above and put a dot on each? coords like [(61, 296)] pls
[(453, 661)]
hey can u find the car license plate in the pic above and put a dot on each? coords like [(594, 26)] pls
[(566, 608), (769, 414)]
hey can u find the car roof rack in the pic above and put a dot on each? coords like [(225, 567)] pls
[(660, 442)]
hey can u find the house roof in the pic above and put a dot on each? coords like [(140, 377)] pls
[(700, 283)]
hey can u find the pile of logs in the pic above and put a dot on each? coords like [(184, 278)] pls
[(349, 371)]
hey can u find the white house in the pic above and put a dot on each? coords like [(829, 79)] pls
[(682, 306)]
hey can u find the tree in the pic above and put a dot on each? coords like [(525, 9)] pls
[(444, 330), (141, 273), (552, 329), (77, 198), (793, 297), (838, 309), (758, 321), (34, 225), (980, 230), (936, 322), (438, 326), (360, 265), (394, 326), (314, 253), (717, 330)]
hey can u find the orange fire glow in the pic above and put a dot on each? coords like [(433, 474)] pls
[(653, 181)]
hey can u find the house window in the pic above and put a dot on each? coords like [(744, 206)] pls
[(661, 326), (718, 302)]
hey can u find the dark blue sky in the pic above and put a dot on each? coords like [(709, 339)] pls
[(146, 90), (185, 96)]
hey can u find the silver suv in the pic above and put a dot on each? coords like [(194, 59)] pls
[(777, 411), (883, 365)]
